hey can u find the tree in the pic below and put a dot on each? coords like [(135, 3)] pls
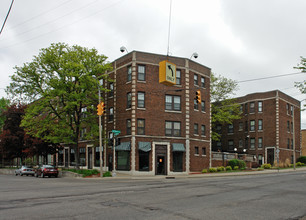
[(302, 85), (63, 92), (3, 105), (224, 110)]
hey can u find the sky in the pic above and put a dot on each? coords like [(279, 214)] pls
[(238, 39)]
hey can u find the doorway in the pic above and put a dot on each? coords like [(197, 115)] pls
[(270, 156), (161, 160)]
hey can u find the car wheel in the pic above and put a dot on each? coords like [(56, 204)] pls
[(16, 174), (56, 176), (42, 175)]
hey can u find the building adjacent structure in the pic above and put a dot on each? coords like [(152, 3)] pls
[(269, 129), (163, 130), (303, 133)]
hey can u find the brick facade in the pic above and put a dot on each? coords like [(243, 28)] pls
[(265, 128)]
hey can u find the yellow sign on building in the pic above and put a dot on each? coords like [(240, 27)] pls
[(167, 73)]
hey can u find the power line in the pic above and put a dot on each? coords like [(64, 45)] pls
[(269, 77), (8, 13)]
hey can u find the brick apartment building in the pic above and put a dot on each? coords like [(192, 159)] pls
[(269, 129), (303, 133), (162, 128)]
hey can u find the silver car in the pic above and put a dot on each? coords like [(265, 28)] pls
[(24, 170)]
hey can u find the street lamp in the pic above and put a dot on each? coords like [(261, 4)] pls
[(100, 130), (123, 48)]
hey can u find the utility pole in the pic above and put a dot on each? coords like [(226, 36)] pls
[(293, 136)]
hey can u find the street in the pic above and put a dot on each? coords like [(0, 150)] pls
[(266, 196)]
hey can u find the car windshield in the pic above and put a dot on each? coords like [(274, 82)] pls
[(48, 166)]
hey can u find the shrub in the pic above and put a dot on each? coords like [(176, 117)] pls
[(204, 171), (266, 166), (302, 159), (84, 172), (219, 169), (236, 168), (228, 168), (233, 163), (299, 164), (107, 174), (212, 170), (241, 164)]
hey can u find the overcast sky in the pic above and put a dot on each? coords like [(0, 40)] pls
[(239, 39)]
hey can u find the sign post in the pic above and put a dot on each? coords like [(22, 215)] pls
[(115, 133)]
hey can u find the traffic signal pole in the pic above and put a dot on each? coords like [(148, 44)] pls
[(100, 136)]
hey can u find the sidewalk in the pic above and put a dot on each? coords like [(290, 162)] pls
[(207, 175)]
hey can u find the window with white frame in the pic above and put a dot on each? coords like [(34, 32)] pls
[(203, 82), (260, 125), (140, 99), (252, 125), (260, 108), (129, 73), (178, 77), (173, 103), (141, 73), (173, 128), (252, 143), (195, 80), (260, 142)]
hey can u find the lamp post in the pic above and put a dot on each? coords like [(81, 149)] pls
[(100, 131)]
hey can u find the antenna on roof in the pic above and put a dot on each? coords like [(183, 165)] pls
[(169, 29)]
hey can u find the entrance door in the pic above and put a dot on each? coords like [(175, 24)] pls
[(89, 158), (161, 160), (270, 156)]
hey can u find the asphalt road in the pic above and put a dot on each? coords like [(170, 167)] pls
[(267, 196)]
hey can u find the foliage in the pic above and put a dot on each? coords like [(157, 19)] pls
[(212, 170), (302, 159), (59, 83), (219, 169), (233, 163), (3, 105), (107, 174), (204, 171), (241, 164), (224, 110), (84, 172), (228, 168), (301, 85), (236, 168), (299, 164), (28, 162), (266, 166)]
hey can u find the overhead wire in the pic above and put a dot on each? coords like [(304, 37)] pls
[(269, 77), (8, 13)]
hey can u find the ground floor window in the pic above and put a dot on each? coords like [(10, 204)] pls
[(123, 161), (60, 158), (97, 156), (143, 161), (82, 156), (72, 157), (177, 161)]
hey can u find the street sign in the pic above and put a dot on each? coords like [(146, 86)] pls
[(167, 73), (116, 132)]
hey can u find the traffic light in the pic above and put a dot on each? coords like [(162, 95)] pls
[(101, 108), (118, 141), (198, 96)]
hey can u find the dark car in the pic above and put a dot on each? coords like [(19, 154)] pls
[(24, 170), (46, 170)]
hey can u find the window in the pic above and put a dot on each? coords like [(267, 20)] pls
[(196, 128), (203, 130), (82, 133), (84, 112), (140, 99), (291, 143), (291, 109), (141, 73), (177, 161), (252, 144), (178, 77), (252, 125), (173, 128), (240, 126), (230, 129), (203, 151), (128, 126), (246, 126), (173, 103), (140, 126), (260, 142), (143, 160), (203, 106), (195, 80), (246, 108), (288, 126), (129, 100), (219, 146), (196, 150), (123, 161), (230, 145), (260, 127), (111, 88), (252, 107), (203, 82), (72, 157), (111, 114), (260, 106), (195, 104), (240, 143), (82, 153), (97, 156), (241, 108), (288, 143), (287, 108), (291, 127), (129, 73)]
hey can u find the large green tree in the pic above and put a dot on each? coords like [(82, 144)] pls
[(3, 105), (302, 85), (224, 109), (61, 85)]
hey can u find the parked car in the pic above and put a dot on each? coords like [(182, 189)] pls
[(24, 170), (46, 170)]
